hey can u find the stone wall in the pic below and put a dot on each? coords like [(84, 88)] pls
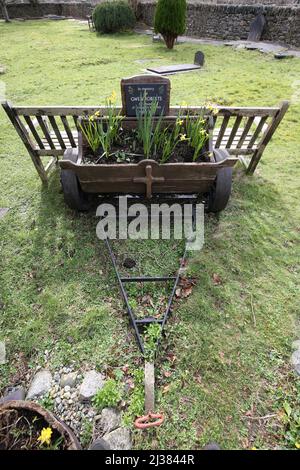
[(232, 22), (208, 20), (40, 8)]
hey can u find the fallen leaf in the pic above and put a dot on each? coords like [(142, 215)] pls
[(166, 389), (186, 292), (216, 279), (167, 373), (178, 292)]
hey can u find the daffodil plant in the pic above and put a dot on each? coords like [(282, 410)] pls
[(103, 133), (170, 138), (157, 139), (196, 133)]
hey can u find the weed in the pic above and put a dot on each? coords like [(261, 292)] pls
[(108, 396)]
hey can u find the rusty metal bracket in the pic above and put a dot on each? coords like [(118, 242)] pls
[(149, 179)]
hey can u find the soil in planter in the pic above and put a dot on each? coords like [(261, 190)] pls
[(129, 150), (20, 429)]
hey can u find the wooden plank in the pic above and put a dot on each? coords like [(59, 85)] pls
[(45, 131), (245, 132), (68, 131), (149, 381), (88, 110), (257, 131), (61, 110), (222, 131), (33, 130), (50, 152), (50, 164), (234, 131), (57, 132), (75, 118)]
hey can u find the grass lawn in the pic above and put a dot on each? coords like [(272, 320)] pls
[(226, 356)]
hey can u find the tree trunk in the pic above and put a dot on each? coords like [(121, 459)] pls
[(169, 40), (4, 11)]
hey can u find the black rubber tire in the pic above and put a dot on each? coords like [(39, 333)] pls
[(219, 194), (74, 197)]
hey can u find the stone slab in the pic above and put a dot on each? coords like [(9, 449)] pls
[(169, 69)]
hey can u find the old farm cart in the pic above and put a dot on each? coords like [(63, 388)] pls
[(208, 180), (235, 132)]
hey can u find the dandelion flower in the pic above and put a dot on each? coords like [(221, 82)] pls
[(45, 436)]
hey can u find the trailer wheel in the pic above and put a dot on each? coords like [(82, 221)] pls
[(219, 194), (74, 197)]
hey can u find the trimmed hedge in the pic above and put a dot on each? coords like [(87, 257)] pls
[(113, 16)]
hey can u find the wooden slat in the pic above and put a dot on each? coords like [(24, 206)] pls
[(57, 132), (222, 131), (50, 164), (234, 131), (75, 118), (62, 110), (50, 152), (87, 110), (245, 132), (45, 131), (68, 131), (34, 131), (257, 131)]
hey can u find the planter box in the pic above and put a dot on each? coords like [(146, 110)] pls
[(146, 177)]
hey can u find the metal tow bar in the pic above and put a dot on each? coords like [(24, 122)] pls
[(150, 419)]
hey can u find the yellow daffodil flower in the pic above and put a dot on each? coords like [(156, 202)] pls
[(113, 97), (183, 137), (180, 122), (45, 436), (97, 113)]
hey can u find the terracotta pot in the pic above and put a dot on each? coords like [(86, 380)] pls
[(71, 441)]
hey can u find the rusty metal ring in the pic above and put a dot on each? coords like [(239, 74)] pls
[(143, 422)]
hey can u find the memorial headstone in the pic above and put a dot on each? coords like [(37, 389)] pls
[(199, 58), (145, 89), (257, 28)]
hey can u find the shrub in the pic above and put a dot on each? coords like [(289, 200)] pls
[(170, 19), (113, 16)]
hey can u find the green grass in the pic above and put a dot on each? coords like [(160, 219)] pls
[(226, 356)]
